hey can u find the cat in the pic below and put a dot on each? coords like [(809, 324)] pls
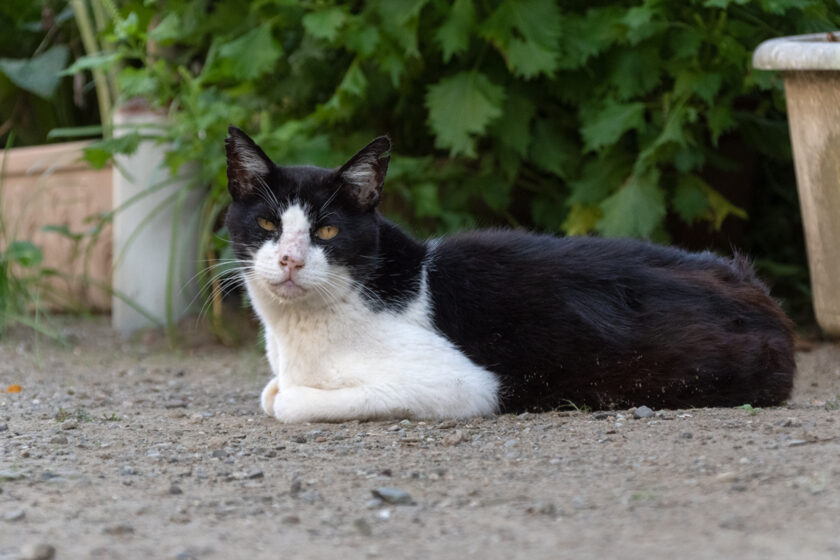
[(362, 321)]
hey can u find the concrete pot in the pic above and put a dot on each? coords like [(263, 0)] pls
[(49, 185), (154, 272), (811, 70)]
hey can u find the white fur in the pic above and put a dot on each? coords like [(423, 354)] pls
[(334, 359), (361, 174), (252, 163)]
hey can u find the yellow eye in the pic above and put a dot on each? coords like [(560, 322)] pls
[(326, 232), (266, 224)]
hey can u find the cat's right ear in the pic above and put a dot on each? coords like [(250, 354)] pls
[(247, 164)]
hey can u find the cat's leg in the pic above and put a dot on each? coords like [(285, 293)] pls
[(269, 395), (308, 404), (270, 391)]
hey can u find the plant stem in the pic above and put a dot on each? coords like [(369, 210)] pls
[(103, 95)]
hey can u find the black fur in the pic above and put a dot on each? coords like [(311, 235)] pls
[(560, 321)]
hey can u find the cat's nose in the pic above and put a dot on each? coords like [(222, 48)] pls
[(292, 262)]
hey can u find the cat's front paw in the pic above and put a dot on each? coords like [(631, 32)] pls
[(299, 404), (268, 396)]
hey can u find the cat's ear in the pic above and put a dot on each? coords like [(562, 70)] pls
[(247, 164), (364, 174)]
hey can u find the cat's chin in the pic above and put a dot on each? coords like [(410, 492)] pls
[(286, 290)]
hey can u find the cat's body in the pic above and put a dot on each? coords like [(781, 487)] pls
[(362, 321)]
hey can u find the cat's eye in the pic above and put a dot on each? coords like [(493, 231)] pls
[(267, 225), (326, 232)]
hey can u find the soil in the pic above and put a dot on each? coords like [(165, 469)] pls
[(126, 449)]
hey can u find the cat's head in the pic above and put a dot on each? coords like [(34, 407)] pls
[(303, 232)]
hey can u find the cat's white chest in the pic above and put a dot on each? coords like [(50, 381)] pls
[(352, 362)]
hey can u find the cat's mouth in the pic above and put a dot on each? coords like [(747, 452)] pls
[(287, 289)]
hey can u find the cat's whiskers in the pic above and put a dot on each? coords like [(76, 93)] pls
[(329, 199)]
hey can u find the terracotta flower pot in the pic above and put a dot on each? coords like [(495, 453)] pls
[(811, 69)]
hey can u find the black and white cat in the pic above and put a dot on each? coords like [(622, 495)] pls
[(362, 321)]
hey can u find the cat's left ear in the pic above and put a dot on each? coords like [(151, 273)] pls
[(364, 174)]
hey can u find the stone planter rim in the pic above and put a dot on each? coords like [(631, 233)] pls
[(799, 52)]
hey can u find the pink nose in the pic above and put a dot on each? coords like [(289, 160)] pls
[(292, 262)]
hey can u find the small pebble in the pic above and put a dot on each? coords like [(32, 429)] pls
[(119, 530), (58, 439), (290, 520), (363, 527), (14, 515), (40, 551), (298, 439), (643, 412), (454, 438), (175, 490), (69, 425), (3, 426), (391, 495), (602, 415)]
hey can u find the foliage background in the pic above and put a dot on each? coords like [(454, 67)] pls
[(616, 118)]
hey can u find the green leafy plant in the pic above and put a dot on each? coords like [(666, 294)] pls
[(620, 118), (39, 39)]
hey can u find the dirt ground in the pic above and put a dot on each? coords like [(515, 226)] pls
[(125, 449)]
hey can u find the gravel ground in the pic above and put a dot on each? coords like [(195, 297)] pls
[(124, 449)]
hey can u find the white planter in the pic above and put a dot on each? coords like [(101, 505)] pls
[(811, 67), (154, 273)]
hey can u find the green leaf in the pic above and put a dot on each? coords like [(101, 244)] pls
[(168, 31), (719, 119), (495, 192), (581, 220), (674, 134), (606, 126), (91, 61), (704, 84), (600, 177), (634, 72), (513, 129), (64, 231), (454, 35), (585, 36), (779, 7), (723, 4), (527, 33), (636, 209), (460, 107), (324, 24), (426, 201), (362, 40), (689, 201), (100, 153), (399, 21), (136, 82), (640, 24), (75, 131), (685, 43), (552, 149), (251, 55), (39, 75), (22, 253), (128, 27), (721, 208)]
